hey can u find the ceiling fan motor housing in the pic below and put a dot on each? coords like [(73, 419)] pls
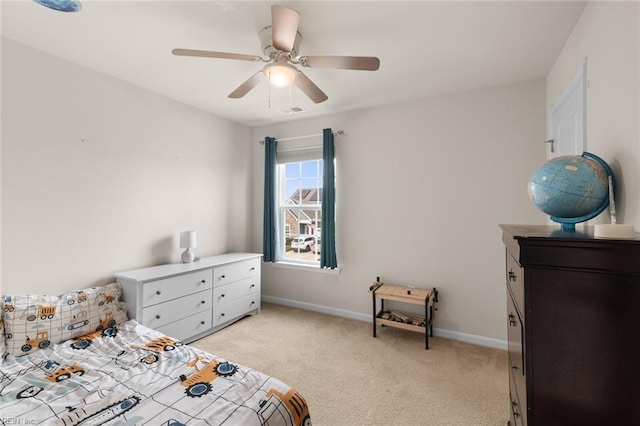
[(266, 42)]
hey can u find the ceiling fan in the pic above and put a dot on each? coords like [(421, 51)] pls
[(280, 43)]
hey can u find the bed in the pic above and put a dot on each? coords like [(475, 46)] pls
[(121, 372)]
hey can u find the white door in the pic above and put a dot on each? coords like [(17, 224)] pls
[(567, 119)]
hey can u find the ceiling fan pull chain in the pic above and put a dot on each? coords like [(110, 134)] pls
[(269, 78)]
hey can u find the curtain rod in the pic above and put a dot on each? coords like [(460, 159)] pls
[(336, 133)]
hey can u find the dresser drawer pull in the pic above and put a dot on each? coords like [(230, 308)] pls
[(252, 286), (203, 281), (252, 269), (514, 367), (203, 302), (222, 314), (202, 322), (253, 303), (512, 276), (157, 316), (158, 292), (514, 408), (222, 295), (222, 277), (512, 320)]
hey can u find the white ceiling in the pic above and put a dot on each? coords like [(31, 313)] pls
[(425, 48)]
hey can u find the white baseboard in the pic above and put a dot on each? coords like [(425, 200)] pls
[(440, 332)]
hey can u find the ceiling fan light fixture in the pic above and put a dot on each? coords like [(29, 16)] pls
[(280, 75)]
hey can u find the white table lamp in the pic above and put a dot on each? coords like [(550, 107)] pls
[(188, 241)]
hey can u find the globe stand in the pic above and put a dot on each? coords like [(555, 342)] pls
[(568, 225)]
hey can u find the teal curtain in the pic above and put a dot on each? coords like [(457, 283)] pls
[(269, 236), (328, 247)]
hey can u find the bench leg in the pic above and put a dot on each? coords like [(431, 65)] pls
[(426, 323), (374, 313)]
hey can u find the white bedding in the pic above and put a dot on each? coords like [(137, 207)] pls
[(140, 377)]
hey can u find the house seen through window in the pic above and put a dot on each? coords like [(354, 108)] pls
[(300, 211)]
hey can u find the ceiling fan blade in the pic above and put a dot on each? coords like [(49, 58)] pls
[(365, 63), (309, 88), (284, 27), (211, 54), (245, 87)]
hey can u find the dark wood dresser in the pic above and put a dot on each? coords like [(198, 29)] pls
[(573, 315)]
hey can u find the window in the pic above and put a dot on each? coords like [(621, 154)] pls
[(299, 201), (300, 211)]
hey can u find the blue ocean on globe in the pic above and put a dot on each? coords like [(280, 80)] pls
[(61, 5), (571, 188)]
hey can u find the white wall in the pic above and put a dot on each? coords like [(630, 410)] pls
[(100, 176), (421, 189), (608, 35)]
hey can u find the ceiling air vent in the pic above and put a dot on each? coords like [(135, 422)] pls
[(291, 110)]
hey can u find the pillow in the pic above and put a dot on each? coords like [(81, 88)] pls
[(38, 321)]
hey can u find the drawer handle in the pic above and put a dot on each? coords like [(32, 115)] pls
[(252, 269), (157, 316), (252, 286), (514, 408), (253, 303), (514, 367), (203, 302), (203, 281), (202, 322), (512, 320), (512, 276), (222, 277), (222, 314), (222, 295), (158, 292)]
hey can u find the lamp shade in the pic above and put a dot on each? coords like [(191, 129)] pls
[(188, 239), (280, 75)]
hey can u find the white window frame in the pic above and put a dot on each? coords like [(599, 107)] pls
[(283, 207)]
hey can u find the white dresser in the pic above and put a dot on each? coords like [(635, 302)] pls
[(190, 300)]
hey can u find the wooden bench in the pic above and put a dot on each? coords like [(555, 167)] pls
[(425, 297)]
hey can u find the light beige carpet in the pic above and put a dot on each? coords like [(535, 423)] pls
[(350, 378)]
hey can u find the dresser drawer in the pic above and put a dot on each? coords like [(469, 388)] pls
[(229, 292), (515, 282), (515, 337), (173, 310), (159, 291), (234, 309), (189, 326), (517, 410), (236, 271)]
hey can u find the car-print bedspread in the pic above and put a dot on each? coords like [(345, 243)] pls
[(134, 375)]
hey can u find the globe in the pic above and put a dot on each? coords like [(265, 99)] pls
[(572, 188), (61, 5)]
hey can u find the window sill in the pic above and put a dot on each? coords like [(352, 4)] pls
[(309, 268)]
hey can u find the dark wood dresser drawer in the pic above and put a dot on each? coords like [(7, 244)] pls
[(515, 283), (515, 336), (516, 409)]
